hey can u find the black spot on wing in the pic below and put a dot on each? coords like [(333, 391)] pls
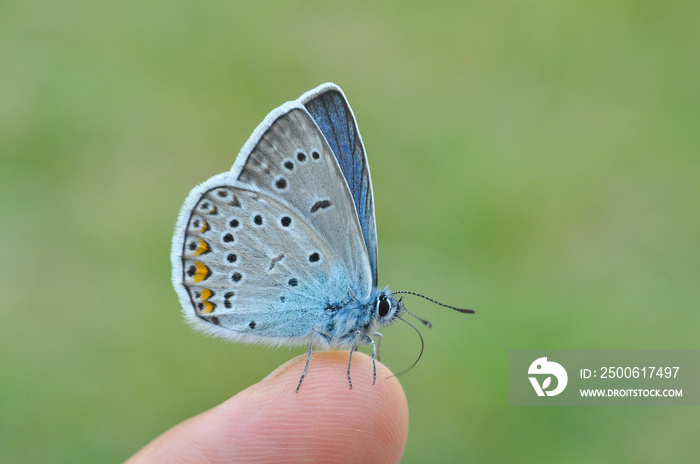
[(321, 204), (281, 183)]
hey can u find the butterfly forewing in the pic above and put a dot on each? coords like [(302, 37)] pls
[(294, 162), (331, 112)]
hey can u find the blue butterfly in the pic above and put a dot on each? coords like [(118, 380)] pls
[(282, 249)]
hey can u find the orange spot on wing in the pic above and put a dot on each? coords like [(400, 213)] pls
[(208, 306), (202, 247), (201, 272)]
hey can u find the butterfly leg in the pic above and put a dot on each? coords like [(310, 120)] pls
[(375, 355), (358, 335), (306, 368), (379, 344), (355, 342)]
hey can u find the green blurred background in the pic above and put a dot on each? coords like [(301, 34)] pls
[(538, 161)]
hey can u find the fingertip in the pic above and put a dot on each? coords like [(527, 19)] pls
[(325, 421), (368, 423)]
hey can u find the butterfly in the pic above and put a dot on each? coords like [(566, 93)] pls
[(282, 249)]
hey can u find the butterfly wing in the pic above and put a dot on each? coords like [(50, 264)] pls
[(262, 252), (330, 109)]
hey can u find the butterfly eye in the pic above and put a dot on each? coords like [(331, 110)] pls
[(383, 306)]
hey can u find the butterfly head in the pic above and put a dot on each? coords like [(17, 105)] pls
[(387, 308)]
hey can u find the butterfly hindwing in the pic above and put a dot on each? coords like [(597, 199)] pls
[(253, 269), (331, 112)]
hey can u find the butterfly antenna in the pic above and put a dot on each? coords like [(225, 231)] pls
[(423, 321), (461, 310), (422, 345)]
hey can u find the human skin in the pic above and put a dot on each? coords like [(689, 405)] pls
[(269, 422)]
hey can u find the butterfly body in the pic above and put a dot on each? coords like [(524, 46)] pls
[(282, 248)]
